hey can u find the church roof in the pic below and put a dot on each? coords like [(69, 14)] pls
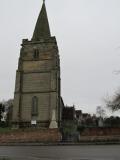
[(42, 29)]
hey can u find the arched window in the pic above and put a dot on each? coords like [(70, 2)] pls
[(34, 106), (36, 54)]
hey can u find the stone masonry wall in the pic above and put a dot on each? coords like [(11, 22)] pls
[(37, 77)]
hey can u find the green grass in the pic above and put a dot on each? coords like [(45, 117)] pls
[(5, 159), (5, 130)]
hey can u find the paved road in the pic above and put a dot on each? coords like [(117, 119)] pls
[(61, 152)]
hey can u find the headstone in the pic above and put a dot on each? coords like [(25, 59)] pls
[(100, 122)]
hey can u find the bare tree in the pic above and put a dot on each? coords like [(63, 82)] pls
[(100, 111), (114, 103)]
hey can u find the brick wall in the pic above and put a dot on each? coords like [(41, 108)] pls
[(29, 136), (101, 131), (100, 135)]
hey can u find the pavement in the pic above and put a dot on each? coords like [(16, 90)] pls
[(84, 152)]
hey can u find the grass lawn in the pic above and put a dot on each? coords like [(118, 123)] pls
[(5, 130), (5, 159)]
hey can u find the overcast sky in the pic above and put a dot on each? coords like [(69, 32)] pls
[(88, 35)]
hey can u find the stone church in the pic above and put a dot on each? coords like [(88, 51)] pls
[(37, 97)]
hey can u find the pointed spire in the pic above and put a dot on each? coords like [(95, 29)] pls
[(42, 29)]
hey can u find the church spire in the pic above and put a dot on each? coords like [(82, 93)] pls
[(42, 29)]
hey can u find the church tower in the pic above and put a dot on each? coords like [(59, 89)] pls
[(37, 90)]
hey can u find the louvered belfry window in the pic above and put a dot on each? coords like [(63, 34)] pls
[(36, 54)]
